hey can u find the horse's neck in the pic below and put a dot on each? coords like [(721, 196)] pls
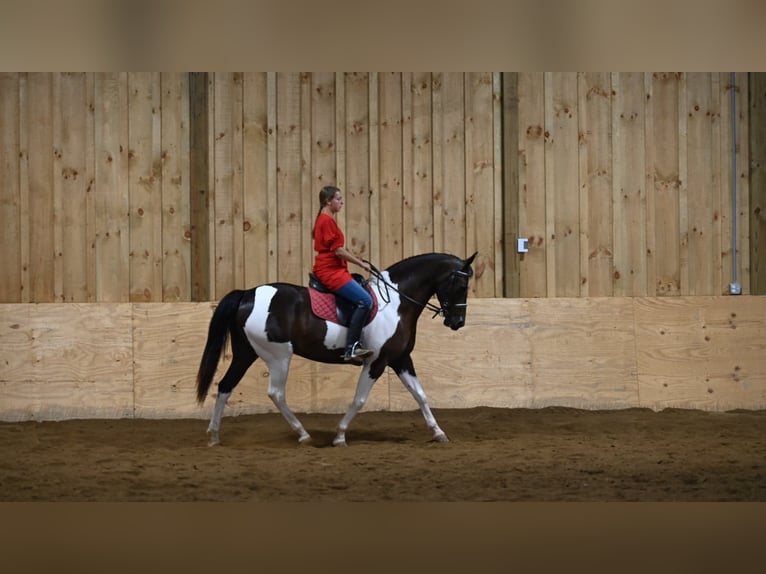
[(420, 284)]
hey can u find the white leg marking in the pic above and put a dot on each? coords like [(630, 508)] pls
[(363, 387), (215, 421), (412, 384)]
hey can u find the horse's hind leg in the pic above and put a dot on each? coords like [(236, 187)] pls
[(405, 370), (242, 357), (278, 369)]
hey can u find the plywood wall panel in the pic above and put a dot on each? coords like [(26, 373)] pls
[(700, 352), (113, 360), (77, 343)]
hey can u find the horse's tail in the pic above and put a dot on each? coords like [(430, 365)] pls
[(217, 335)]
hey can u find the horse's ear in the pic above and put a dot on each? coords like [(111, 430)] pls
[(468, 261)]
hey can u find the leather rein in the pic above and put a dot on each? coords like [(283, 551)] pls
[(442, 310)]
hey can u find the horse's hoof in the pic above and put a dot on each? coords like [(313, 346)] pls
[(305, 441), (440, 438), (214, 442), (339, 442)]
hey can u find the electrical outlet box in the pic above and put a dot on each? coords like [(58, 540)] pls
[(522, 244)]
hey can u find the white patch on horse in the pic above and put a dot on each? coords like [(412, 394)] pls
[(255, 328), (335, 337), (383, 326)]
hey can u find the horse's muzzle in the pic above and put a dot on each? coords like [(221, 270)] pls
[(454, 323)]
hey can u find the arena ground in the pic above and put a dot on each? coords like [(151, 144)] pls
[(550, 454)]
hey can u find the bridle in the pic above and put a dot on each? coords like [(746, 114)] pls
[(443, 309)]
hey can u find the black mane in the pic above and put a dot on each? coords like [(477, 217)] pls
[(417, 264)]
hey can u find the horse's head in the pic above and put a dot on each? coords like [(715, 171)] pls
[(452, 293)]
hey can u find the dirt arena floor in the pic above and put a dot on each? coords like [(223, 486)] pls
[(550, 454)]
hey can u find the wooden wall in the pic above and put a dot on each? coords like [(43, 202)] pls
[(107, 360), (625, 184), (149, 187)]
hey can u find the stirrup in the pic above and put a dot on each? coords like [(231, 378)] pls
[(355, 352)]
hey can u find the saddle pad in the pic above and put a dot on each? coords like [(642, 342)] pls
[(323, 305)]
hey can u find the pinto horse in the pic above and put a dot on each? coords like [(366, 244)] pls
[(276, 321)]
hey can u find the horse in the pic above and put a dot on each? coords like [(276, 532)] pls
[(275, 321)]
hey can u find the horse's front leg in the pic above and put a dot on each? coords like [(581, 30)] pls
[(405, 370), (363, 387)]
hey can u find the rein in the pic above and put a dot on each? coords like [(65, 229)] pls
[(442, 310)]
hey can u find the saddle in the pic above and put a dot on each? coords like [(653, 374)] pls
[(326, 305)]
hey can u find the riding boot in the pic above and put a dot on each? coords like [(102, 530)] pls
[(354, 352)]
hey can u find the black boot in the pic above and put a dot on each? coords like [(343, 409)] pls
[(354, 352)]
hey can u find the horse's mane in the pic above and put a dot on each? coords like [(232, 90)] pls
[(415, 262)]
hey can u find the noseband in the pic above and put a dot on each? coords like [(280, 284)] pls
[(443, 309)]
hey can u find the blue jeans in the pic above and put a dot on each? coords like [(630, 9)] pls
[(356, 294)]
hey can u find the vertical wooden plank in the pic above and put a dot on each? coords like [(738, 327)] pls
[(57, 178), (307, 201), (144, 187), (562, 188), (289, 206), (683, 174), (700, 184), (72, 185), (39, 125), (743, 176), (532, 280), (437, 160), (651, 196), (480, 193), (497, 174), (407, 171), (390, 165), (718, 202), (90, 177), (24, 223), (255, 164), (629, 195), (111, 189), (271, 169), (10, 191), (510, 186), (453, 175), (238, 193), (357, 189), (340, 141), (595, 173), (323, 135), (223, 191), (734, 179), (199, 174), (665, 178), (422, 178), (176, 207), (374, 170), (757, 197)]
